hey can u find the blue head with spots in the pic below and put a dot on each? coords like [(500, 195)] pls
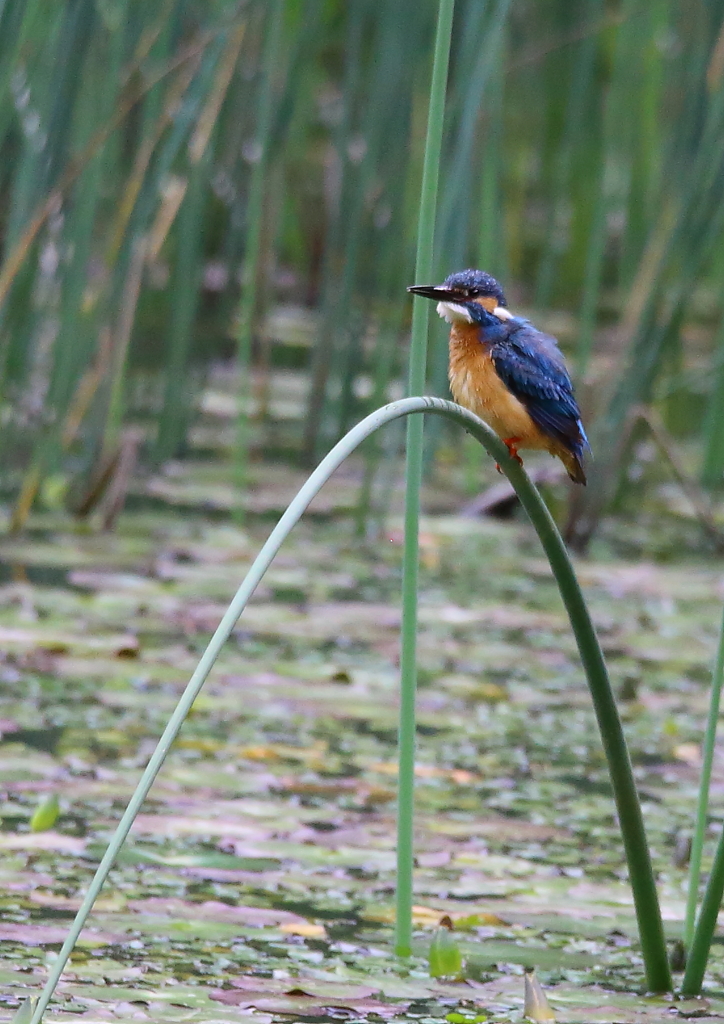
[(466, 295)]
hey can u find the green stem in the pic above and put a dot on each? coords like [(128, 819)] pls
[(641, 875), (705, 925), (697, 941), (713, 463), (640, 872), (413, 481), (174, 417), (254, 215)]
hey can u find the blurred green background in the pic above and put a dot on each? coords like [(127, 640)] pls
[(208, 214)]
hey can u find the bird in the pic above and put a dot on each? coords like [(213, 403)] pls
[(508, 372)]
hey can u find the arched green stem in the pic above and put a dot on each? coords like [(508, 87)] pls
[(629, 812)]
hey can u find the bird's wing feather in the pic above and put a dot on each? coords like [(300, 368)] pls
[(532, 368)]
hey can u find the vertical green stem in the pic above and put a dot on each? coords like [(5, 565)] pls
[(712, 471), (122, 341), (254, 212), (174, 418), (413, 479), (323, 351), (705, 925), (697, 843)]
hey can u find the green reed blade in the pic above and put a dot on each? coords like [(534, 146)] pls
[(484, 54), (697, 842), (698, 954), (608, 185), (491, 247), (94, 91), (413, 481), (688, 230), (712, 471), (212, 85), (252, 248), (333, 312), (184, 300), (575, 135)]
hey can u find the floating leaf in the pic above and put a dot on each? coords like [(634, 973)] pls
[(304, 928), (481, 920)]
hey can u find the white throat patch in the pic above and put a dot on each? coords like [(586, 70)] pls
[(452, 312)]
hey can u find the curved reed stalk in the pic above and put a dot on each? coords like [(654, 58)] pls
[(648, 913)]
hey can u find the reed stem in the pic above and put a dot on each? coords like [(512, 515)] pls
[(254, 215), (413, 480), (698, 935), (698, 954)]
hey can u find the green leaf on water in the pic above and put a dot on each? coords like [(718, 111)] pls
[(455, 1017), (45, 814), (445, 958)]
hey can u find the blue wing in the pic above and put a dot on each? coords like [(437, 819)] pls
[(531, 366)]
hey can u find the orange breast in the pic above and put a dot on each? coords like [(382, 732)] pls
[(475, 384)]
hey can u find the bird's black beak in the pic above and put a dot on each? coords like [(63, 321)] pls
[(435, 291)]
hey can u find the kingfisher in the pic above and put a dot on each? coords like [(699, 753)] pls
[(508, 372)]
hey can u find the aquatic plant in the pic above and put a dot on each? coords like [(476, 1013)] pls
[(157, 157), (658, 976)]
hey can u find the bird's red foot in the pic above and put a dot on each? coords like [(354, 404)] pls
[(511, 443)]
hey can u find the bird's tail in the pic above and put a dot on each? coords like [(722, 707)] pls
[(573, 461)]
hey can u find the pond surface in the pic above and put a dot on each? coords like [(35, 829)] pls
[(259, 879)]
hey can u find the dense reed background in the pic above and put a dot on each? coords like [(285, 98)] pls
[(230, 190)]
